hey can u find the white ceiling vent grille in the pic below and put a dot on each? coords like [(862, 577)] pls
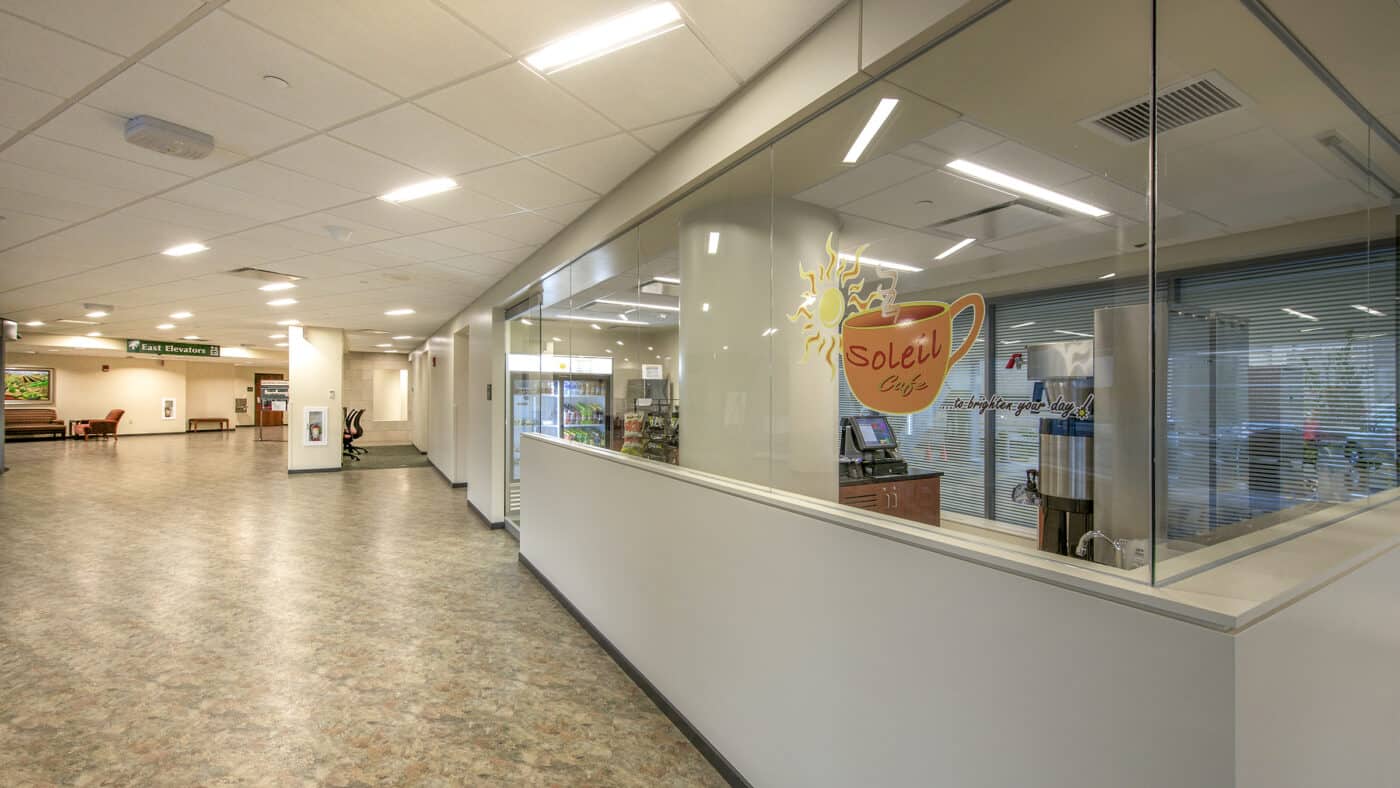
[(1177, 106)]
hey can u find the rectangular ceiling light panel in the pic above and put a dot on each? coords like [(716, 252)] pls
[(606, 37)]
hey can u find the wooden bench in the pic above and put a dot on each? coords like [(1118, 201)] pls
[(192, 425), (33, 421)]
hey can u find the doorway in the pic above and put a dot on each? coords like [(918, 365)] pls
[(261, 418)]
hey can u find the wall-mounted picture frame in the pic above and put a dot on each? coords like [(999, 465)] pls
[(29, 385), (315, 432), (167, 409)]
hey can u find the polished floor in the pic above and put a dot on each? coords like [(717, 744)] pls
[(177, 610)]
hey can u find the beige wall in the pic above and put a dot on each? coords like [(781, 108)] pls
[(359, 393), (315, 370)]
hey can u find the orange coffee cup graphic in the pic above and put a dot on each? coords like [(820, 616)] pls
[(897, 363)]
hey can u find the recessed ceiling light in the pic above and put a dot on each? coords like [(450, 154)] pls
[(289, 322), (421, 189), (183, 249), (607, 350), (639, 305), (192, 337), (1109, 275), (619, 342), (726, 347), (96, 313), (1368, 310), (273, 287), (282, 302), (527, 321), (1303, 315), (180, 315), (557, 339), (94, 333), (596, 327), (276, 336), (398, 312), (165, 326), (670, 280), (713, 246), (384, 345), (403, 336), (281, 344), (1012, 183), (882, 263), (955, 248), (877, 119), (606, 37), (705, 307), (35, 323)]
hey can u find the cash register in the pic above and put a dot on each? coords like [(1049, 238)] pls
[(869, 449)]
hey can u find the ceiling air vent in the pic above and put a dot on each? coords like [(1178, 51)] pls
[(1177, 106)]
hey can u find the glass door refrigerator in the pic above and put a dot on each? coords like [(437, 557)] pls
[(584, 408)]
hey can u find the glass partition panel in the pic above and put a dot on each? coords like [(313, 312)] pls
[(957, 250), (529, 397), (1276, 232)]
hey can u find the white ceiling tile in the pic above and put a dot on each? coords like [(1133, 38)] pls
[(1047, 236), (85, 165), (231, 56), (947, 197), (526, 184), (526, 113), (961, 138), (266, 180), (564, 214), (1016, 159), (373, 256), (399, 218), (863, 179), (525, 228), (235, 126), (213, 197), (660, 79), (169, 211), (19, 201), (464, 206), (48, 61), (523, 26), (102, 131), (341, 163), (317, 265), (320, 224), (416, 137), (470, 239), (119, 27), (479, 264), (514, 256), (407, 46), (601, 164), (748, 35), (418, 248), (28, 179), (20, 227), (660, 135), (275, 235), (21, 106)]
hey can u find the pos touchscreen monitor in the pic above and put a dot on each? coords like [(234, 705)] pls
[(872, 433)]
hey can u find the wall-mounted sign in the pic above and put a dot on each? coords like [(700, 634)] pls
[(896, 356), (579, 365), (162, 348), (651, 372)]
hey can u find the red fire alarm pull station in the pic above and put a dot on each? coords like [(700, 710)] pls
[(1015, 361), (106, 367)]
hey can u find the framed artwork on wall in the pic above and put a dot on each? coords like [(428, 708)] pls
[(28, 386), (167, 409), (315, 431)]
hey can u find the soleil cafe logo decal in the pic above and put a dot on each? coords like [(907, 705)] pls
[(896, 356)]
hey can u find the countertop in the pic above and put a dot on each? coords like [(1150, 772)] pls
[(898, 477)]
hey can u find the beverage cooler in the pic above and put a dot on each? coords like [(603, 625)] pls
[(534, 408), (584, 410)]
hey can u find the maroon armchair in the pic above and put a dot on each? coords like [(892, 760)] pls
[(101, 427)]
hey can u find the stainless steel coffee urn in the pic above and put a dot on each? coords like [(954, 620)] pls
[(1063, 373)]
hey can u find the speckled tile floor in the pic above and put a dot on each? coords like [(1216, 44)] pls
[(177, 610)]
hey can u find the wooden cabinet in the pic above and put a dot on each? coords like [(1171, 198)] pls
[(914, 499)]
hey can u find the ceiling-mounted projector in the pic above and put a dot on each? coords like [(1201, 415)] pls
[(172, 139)]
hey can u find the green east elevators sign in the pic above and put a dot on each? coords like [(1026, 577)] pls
[(171, 348)]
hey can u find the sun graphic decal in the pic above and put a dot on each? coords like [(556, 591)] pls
[(831, 289)]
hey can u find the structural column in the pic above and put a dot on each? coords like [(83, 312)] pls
[(315, 359)]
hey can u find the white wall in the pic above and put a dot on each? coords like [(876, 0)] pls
[(814, 655), (316, 374), (418, 399), (137, 385), (1317, 695), (461, 426), (441, 437)]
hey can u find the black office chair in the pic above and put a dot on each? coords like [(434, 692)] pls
[(353, 431)]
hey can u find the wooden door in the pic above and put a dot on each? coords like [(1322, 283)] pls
[(269, 419)]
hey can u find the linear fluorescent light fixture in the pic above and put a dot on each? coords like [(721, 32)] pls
[(165, 326), (872, 127), (882, 263), (638, 305), (1012, 183), (713, 246), (588, 319), (606, 37), (183, 249), (1368, 310), (96, 313), (418, 190), (955, 248), (76, 322), (180, 315), (1303, 315), (670, 280), (273, 287), (399, 312), (290, 322), (282, 302)]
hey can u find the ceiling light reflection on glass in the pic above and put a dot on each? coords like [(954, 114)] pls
[(955, 248), (1303, 315), (872, 127), (882, 263), (639, 305), (712, 247), (1014, 184), (670, 280), (606, 37), (590, 319)]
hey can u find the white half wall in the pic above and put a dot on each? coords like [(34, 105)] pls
[(812, 655), (316, 371)]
